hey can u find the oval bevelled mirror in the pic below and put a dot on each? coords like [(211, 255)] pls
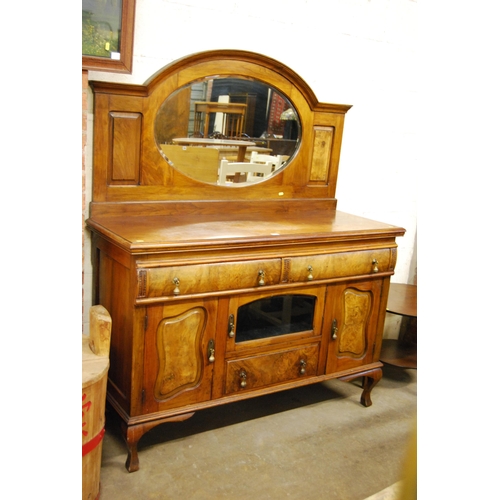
[(230, 131)]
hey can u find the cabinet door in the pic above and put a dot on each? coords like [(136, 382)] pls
[(179, 353), (352, 324), (273, 318)]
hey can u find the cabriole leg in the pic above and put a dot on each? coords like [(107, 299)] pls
[(370, 379), (369, 382), (132, 434)]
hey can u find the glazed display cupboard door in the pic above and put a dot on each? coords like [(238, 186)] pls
[(352, 315), (273, 318), (273, 339), (180, 352)]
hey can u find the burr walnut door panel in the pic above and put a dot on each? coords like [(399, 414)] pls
[(179, 354), (351, 323)]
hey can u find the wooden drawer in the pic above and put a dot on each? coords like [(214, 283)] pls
[(338, 265), (270, 369), (204, 278)]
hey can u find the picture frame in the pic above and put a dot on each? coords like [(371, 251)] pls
[(119, 60)]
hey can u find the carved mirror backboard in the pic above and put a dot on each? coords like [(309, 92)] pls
[(178, 136)]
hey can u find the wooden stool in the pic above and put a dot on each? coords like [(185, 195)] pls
[(403, 351)]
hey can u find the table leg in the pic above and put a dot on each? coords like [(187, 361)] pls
[(241, 153)]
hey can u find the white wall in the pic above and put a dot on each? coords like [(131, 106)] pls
[(358, 52)]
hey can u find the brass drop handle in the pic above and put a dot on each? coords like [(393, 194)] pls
[(262, 274), (334, 330), (230, 326), (310, 270), (243, 377), (176, 282), (211, 351), (303, 364), (375, 265)]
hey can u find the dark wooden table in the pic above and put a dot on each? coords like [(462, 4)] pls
[(402, 352)]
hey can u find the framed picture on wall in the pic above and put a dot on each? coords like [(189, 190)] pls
[(108, 35)]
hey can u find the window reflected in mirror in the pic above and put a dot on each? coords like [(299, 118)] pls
[(233, 119), (274, 316)]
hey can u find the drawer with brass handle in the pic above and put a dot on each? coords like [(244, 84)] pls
[(270, 369), (337, 265), (174, 281)]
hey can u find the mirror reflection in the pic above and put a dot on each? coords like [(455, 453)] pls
[(227, 131)]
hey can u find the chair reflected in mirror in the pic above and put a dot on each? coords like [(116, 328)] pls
[(276, 161), (229, 119), (243, 172)]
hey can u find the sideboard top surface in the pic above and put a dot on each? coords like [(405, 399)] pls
[(145, 233)]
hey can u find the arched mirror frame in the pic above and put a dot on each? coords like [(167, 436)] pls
[(128, 166)]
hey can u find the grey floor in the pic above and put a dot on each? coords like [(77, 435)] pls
[(314, 442)]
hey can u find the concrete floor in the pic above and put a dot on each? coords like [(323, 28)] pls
[(314, 442)]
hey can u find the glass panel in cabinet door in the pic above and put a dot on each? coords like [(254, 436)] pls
[(275, 316)]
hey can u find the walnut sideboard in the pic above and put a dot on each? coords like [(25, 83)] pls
[(221, 293)]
